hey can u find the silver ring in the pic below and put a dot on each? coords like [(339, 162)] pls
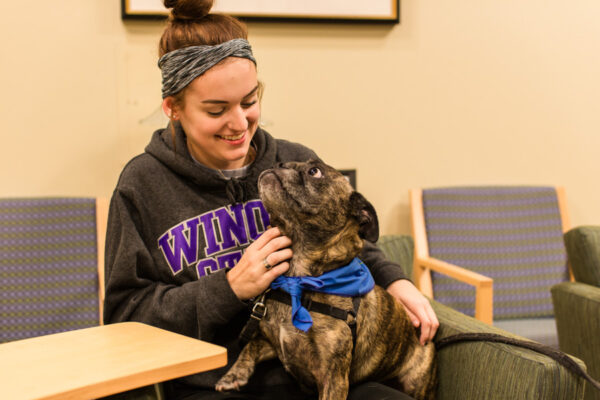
[(266, 264)]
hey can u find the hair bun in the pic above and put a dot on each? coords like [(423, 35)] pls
[(189, 9)]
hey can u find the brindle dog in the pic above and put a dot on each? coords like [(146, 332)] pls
[(326, 219)]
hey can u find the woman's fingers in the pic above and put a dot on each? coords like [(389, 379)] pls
[(413, 318), (275, 244), (277, 270), (267, 237), (262, 262), (278, 257), (418, 308)]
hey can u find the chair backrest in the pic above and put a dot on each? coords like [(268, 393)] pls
[(583, 250), (50, 265), (512, 234)]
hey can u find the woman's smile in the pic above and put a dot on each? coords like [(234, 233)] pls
[(234, 139)]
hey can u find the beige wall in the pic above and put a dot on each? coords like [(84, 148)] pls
[(461, 92)]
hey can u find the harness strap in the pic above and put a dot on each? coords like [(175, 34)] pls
[(259, 310), (310, 305), (322, 308), (352, 324)]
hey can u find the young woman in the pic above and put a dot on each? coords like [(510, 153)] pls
[(188, 241)]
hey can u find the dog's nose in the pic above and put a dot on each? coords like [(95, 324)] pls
[(280, 165)]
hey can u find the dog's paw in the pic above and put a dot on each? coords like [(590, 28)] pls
[(230, 382)]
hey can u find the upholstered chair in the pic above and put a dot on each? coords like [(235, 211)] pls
[(493, 253), (577, 304), (51, 254), (486, 370)]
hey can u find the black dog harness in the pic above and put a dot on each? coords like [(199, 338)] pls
[(259, 310)]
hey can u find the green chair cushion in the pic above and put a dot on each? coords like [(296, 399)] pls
[(399, 248), (486, 370)]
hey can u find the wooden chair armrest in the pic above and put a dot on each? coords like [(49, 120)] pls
[(456, 272), (484, 292)]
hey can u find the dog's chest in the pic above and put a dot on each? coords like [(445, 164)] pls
[(301, 352)]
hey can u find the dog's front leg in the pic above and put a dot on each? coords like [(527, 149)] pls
[(255, 351), (334, 387)]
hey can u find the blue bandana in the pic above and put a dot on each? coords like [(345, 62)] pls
[(351, 280)]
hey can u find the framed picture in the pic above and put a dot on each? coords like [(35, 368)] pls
[(372, 11)]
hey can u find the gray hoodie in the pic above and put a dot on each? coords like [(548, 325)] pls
[(175, 227)]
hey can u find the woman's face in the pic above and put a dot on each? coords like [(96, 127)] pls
[(220, 113)]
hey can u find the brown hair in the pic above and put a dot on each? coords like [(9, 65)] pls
[(191, 24)]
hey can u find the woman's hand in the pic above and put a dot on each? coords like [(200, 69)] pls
[(417, 306), (250, 276)]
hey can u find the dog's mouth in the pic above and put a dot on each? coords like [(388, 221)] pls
[(272, 189), (269, 181)]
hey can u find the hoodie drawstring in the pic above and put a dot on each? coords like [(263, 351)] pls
[(236, 190)]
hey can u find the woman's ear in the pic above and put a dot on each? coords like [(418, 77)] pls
[(169, 109)]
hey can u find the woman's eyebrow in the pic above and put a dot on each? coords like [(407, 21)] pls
[(251, 92), (210, 101)]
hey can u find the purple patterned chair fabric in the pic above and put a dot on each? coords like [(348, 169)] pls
[(48, 266), (510, 234)]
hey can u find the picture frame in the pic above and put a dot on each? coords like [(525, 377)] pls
[(365, 11)]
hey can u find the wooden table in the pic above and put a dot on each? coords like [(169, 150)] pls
[(100, 361)]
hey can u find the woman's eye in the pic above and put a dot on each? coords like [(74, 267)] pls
[(216, 113), (315, 172), (249, 104)]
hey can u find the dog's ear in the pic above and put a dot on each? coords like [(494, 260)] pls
[(366, 216)]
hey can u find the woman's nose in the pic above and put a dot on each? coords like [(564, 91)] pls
[(238, 120)]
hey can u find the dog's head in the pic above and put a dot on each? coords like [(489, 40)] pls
[(316, 207)]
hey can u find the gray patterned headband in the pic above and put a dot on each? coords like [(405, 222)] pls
[(180, 67)]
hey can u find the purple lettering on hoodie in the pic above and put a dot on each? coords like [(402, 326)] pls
[(210, 237), (232, 223), (229, 260), (227, 232), (179, 244), (253, 228), (206, 267)]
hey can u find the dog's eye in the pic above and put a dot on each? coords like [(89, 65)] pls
[(315, 172)]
